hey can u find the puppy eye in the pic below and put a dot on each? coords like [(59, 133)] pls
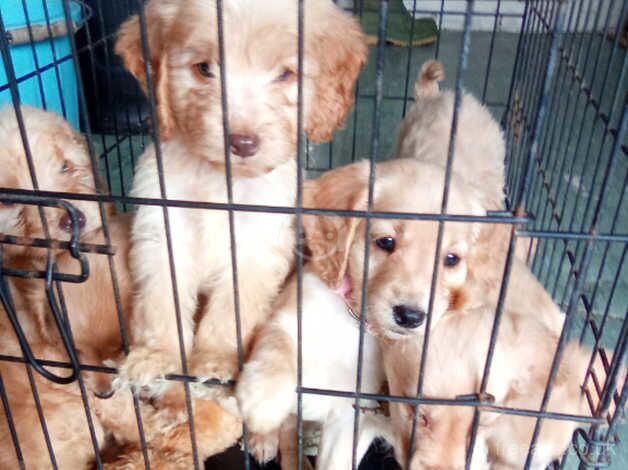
[(285, 76), (67, 166), (204, 70), (451, 260), (386, 243)]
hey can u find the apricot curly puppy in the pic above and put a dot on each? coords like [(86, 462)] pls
[(261, 65)]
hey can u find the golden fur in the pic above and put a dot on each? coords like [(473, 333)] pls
[(93, 318), (404, 185), (261, 60), (455, 363), (61, 163), (472, 284), (479, 150), (167, 432)]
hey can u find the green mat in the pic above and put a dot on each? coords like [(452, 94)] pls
[(403, 30)]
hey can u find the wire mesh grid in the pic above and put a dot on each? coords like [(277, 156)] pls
[(558, 85)]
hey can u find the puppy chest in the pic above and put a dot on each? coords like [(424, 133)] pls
[(257, 236)]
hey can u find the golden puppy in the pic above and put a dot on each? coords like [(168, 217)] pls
[(402, 254), (455, 364), (402, 251), (479, 148), (61, 163), (261, 65)]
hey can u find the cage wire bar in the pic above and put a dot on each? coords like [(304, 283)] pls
[(462, 64), (558, 82)]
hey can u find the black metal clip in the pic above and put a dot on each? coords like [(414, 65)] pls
[(50, 275)]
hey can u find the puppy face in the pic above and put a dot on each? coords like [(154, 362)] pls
[(401, 251), (401, 267), (261, 44), (61, 163)]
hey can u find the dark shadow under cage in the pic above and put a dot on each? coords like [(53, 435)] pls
[(552, 72)]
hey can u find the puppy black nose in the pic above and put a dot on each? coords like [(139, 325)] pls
[(408, 317), (65, 222), (244, 145)]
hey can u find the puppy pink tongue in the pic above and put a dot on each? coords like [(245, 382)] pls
[(345, 289)]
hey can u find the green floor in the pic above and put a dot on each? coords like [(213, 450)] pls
[(354, 142)]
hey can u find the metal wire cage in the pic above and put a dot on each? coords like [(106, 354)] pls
[(552, 71)]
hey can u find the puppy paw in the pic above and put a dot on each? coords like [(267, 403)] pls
[(265, 399), (208, 366), (144, 371), (263, 447)]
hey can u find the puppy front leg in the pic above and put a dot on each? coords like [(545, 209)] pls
[(215, 346), (266, 389), (155, 340)]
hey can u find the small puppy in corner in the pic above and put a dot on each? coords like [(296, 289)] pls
[(61, 163), (261, 71), (479, 149)]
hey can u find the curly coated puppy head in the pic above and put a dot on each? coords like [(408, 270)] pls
[(260, 51)]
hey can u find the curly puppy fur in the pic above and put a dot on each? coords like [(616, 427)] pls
[(261, 64), (479, 148), (168, 434), (94, 322), (63, 412)]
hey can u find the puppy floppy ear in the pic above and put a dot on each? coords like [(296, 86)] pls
[(329, 238), (129, 47), (487, 256), (339, 47)]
